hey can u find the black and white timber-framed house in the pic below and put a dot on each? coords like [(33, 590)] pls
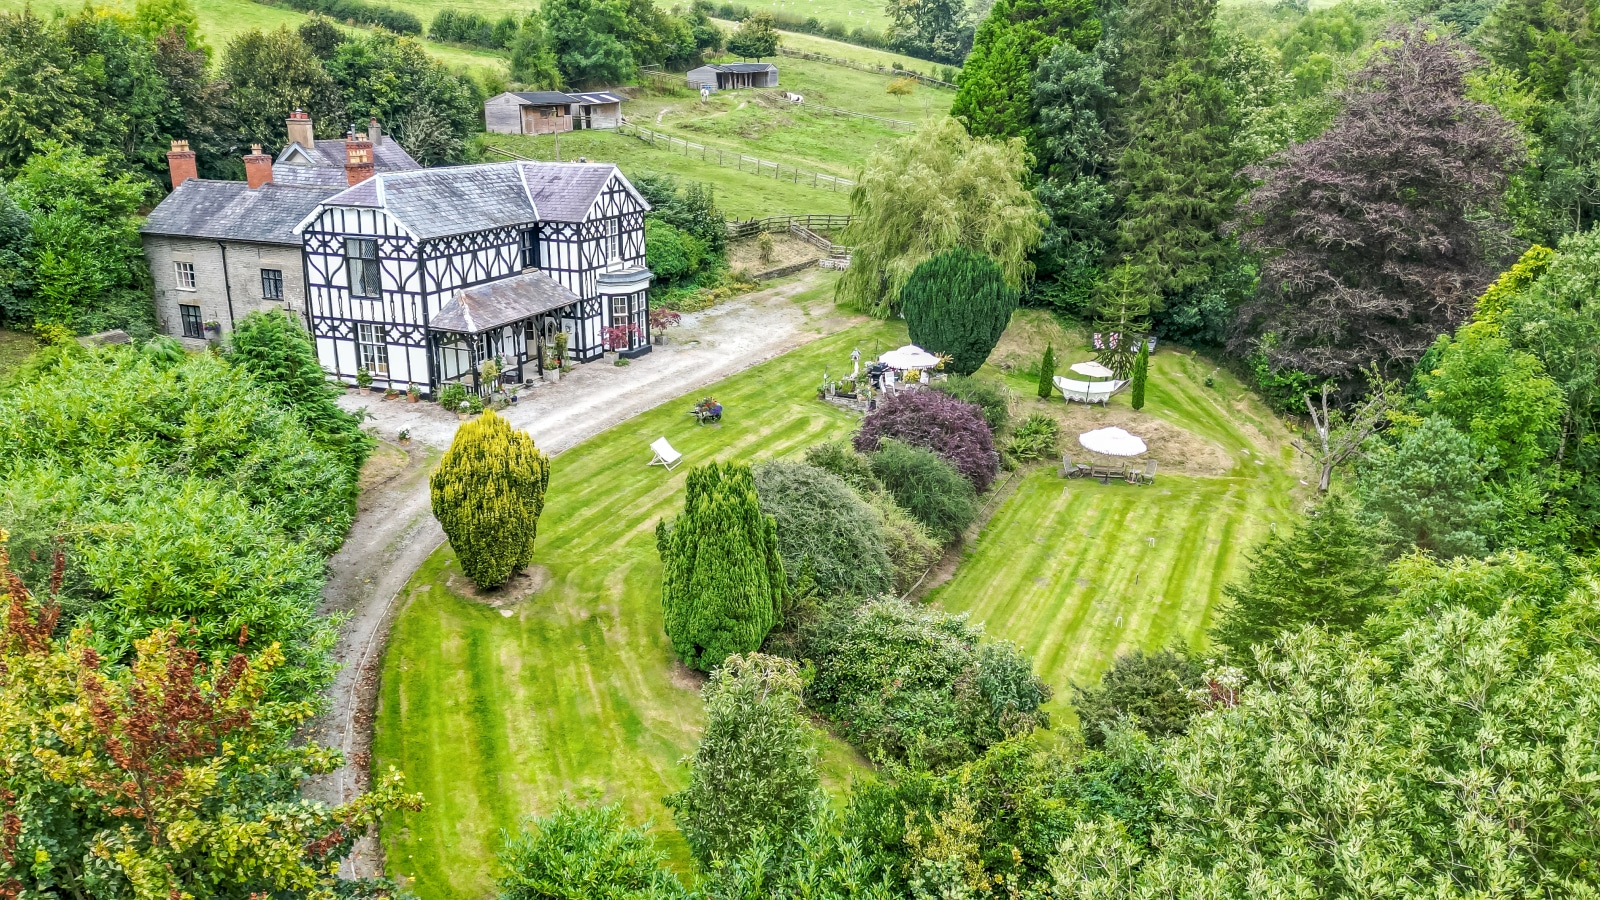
[(418, 277)]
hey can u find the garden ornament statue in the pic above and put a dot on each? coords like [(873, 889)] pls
[(855, 362)]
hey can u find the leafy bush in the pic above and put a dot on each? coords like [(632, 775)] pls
[(581, 853), (452, 395), (910, 547), (1159, 692), (987, 395), (672, 254), (1035, 438), (952, 428), (927, 487), (180, 490), (722, 580), (825, 531), (918, 685), (755, 769), (472, 28), (275, 350), (842, 460), (396, 20), (488, 492)]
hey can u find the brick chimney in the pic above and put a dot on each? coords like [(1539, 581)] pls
[(374, 132), (300, 129), (357, 159), (180, 159), (257, 167)]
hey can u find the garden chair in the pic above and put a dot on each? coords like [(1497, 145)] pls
[(1068, 470), (665, 456), (1148, 476)]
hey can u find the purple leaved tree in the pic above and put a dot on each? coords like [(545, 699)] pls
[(934, 420), (1379, 234)]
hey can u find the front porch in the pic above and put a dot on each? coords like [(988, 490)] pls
[(507, 321)]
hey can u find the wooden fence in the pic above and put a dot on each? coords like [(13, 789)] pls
[(731, 159), (738, 229), (866, 67)]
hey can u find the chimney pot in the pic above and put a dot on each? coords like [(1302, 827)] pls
[(257, 168), (374, 132), (180, 161), (358, 159), (300, 130)]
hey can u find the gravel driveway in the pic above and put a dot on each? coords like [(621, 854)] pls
[(395, 532)]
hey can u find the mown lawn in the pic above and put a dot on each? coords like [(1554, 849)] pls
[(1076, 571), (495, 717)]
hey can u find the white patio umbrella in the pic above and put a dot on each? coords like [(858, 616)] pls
[(1112, 442), (1092, 369), (909, 357)]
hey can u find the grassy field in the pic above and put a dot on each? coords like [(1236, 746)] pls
[(1076, 571), (495, 717), (742, 195), (222, 20)]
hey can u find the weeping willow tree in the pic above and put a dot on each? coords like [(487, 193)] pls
[(930, 192), (488, 493)]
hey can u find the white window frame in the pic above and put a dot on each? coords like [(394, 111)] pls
[(611, 243), (183, 272), (372, 347)]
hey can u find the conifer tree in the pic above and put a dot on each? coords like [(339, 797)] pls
[(1330, 570), (1124, 316), (1047, 372), (995, 98), (958, 304), (722, 580), (488, 493), (1141, 371)]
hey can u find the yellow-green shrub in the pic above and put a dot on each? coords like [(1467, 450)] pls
[(487, 494)]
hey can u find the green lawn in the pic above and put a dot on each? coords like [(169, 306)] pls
[(15, 346), (493, 718), (829, 47), (1068, 569), (742, 195)]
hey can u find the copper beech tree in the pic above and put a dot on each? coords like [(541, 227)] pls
[(169, 778)]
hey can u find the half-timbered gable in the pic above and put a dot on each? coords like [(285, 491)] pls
[(394, 265)]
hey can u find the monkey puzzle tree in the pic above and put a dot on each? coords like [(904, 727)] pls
[(958, 304), (722, 580), (488, 493)]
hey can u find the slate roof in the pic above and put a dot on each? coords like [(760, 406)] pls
[(502, 302), (434, 203), (330, 179), (230, 211), (544, 98), (387, 156), (742, 67)]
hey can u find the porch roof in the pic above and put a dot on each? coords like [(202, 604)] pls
[(482, 307)]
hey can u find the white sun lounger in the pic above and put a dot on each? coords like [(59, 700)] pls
[(664, 454), (1087, 391)]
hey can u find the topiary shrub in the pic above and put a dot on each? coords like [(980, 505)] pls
[(982, 393), (1047, 373), (488, 493), (842, 460), (825, 530), (927, 487), (918, 685), (1160, 692), (1141, 372), (958, 304), (911, 548), (952, 428), (722, 579)]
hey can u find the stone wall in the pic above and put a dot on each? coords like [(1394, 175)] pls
[(212, 290)]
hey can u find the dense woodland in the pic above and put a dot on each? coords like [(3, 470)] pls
[(1381, 215)]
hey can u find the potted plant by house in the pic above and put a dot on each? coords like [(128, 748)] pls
[(413, 394), (363, 378), (552, 368), (660, 321)]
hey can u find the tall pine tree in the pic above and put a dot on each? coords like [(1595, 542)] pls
[(1124, 317), (1047, 372), (995, 98), (722, 581), (1178, 120)]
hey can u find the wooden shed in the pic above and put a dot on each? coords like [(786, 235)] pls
[(597, 109), (732, 76), (529, 112)]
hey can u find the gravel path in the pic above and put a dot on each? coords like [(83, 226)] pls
[(395, 532)]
